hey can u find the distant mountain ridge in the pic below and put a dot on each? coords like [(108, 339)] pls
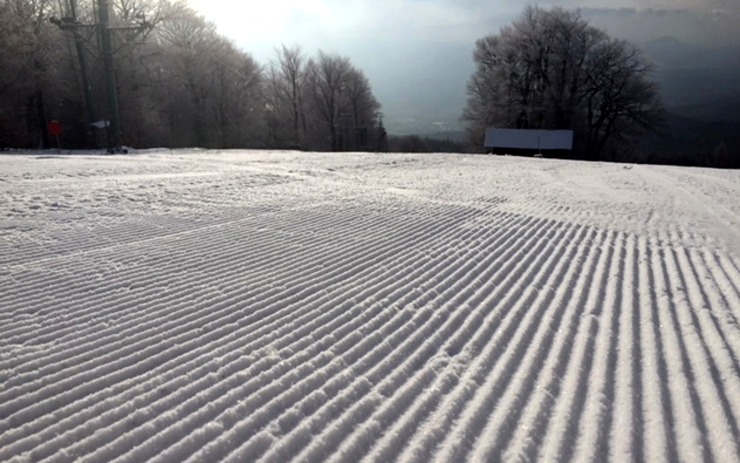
[(672, 53), (711, 111), (423, 89), (695, 76), (424, 92)]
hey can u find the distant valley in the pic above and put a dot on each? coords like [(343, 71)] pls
[(425, 94)]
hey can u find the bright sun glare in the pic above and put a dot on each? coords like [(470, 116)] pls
[(271, 20)]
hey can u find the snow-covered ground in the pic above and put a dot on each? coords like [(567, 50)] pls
[(203, 306)]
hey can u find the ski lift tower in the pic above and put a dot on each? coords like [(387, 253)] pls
[(110, 76), (105, 31)]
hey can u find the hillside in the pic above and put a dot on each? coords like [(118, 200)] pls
[(282, 306)]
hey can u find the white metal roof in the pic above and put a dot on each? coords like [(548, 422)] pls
[(529, 139)]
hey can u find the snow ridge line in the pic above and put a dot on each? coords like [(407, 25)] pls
[(445, 338), (553, 338), (701, 361), (537, 347), (186, 283), (43, 280), (333, 387), (381, 285), (116, 231), (393, 442), (329, 322), (430, 235)]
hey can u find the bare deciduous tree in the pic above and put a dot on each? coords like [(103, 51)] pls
[(215, 85), (179, 83), (341, 107), (32, 76), (326, 80), (363, 107), (551, 70), (292, 65), (286, 79)]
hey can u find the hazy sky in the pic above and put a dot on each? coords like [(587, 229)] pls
[(418, 53), (343, 25)]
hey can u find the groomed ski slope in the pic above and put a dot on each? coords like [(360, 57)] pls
[(280, 306)]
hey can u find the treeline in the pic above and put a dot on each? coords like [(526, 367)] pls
[(179, 83), (417, 144), (692, 142)]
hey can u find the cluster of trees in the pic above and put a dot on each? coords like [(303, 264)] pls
[(320, 103), (179, 83), (417, 144), (552, 70)]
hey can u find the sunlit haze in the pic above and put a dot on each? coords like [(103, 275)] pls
[(417, 53), (356, 24)]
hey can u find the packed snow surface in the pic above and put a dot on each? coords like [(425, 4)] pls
[(276, 306)]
